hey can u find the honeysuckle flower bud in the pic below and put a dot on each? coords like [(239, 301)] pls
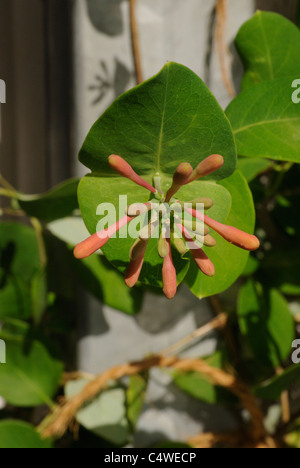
[(135, 267), (136, 209), (203, 262), (197, 227), (122, 167), (98, 240), (207, 167), (138, 249), (231, 234), (201, 259), (206, 202), (180, 178), (209, 241), (169, 274), (163, 246), (180, 245)]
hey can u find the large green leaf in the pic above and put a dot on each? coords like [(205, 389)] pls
[(20, 435), (169, 119), (229, 260), (31, 375), (58, 203), (266, 322), (265, 121), (20, 262), (105, 415), (272, 389), (269, 46)]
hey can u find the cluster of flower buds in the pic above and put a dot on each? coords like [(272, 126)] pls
[(172, 222)]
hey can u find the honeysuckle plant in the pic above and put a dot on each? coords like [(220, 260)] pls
[(168, 141)]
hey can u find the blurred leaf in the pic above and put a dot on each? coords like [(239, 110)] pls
[(39, 295), (272, 389), (270, 126), (266, 322), (264, 52), (136, 394), (58, 203), (31, 376), (20, 435), (198, 386), (251, 168), (280, 268), (20, 262), (105, 415), (292, 439), (99, 277)]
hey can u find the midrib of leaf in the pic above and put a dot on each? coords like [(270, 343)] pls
[(265, 122), (160, 140), (267, 48)]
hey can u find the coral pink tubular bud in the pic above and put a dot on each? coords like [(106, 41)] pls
[(137, 249), (122, 167), (231, 234), (180, 178), (209, 241), (207, 167), (98, 240), (169, 274), (135, 267), (203, 262), (180, 246), (187, 236), (89, 246)]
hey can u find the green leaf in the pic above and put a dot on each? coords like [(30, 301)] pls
[(20, 435), (266, 322), (39, 296), (265, 121), (169, 119), (229, 260), (58, 203), (136, 394), (20, 261), (272, 389), (198, 386), (31, 376), (269, 46), (99, 277), (251, 168), (105, 416)]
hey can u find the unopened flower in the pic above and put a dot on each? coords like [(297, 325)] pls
[(122, 167), (180, 178), (98, 240), (169, 274)]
